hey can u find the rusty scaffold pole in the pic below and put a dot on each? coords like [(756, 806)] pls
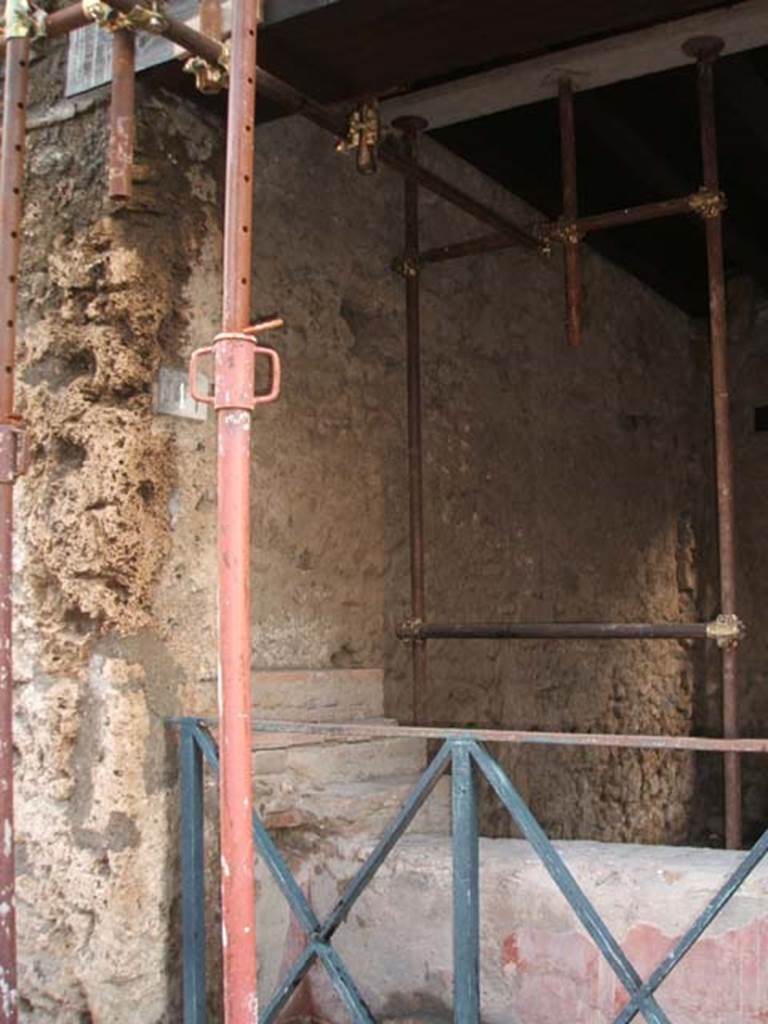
[(210, 18), (410, 127), (706, 50), (679, 206), (210, 77), (234, 353), (52, 24), (18, 27), (569, 230), (122, 115), (233, 396), (726, 630)]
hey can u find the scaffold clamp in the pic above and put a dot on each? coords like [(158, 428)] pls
[(209, 78), (409, 631), (147, 19), (21, 20), (407, 265), (363, 135), (707, 203), (727, 630)]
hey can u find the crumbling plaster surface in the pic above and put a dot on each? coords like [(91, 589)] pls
[(559, 483)]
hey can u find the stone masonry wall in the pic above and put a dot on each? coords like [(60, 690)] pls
[(749, 332), (559, 484), (105, 301)]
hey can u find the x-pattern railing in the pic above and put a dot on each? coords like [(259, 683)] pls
[(467, 758)]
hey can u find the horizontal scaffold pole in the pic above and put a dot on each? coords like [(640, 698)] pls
[(523, 737), (700, 203), (725, 629)]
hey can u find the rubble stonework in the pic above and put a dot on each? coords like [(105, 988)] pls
[(104, 297)]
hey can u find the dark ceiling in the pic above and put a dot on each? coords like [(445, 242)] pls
[(637, 140), (353, 47)]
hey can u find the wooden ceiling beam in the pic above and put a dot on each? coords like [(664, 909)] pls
[(742, 25)]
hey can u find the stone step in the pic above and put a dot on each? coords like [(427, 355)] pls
[(317, 764), (341, 808), (325, 695)]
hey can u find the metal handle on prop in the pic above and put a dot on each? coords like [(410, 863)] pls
[(246, 335), (274, 391), (194, 359)]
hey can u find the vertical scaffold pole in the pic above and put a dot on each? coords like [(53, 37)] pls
[(571, 240), (705, 50), (210, 18), (234, 381), (17, 28), (410, 127), (209, 78), (234, 353), (122, 115)]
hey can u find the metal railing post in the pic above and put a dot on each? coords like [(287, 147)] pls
[(466, 889), (192, 877), (560, 874), (468, 760)]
